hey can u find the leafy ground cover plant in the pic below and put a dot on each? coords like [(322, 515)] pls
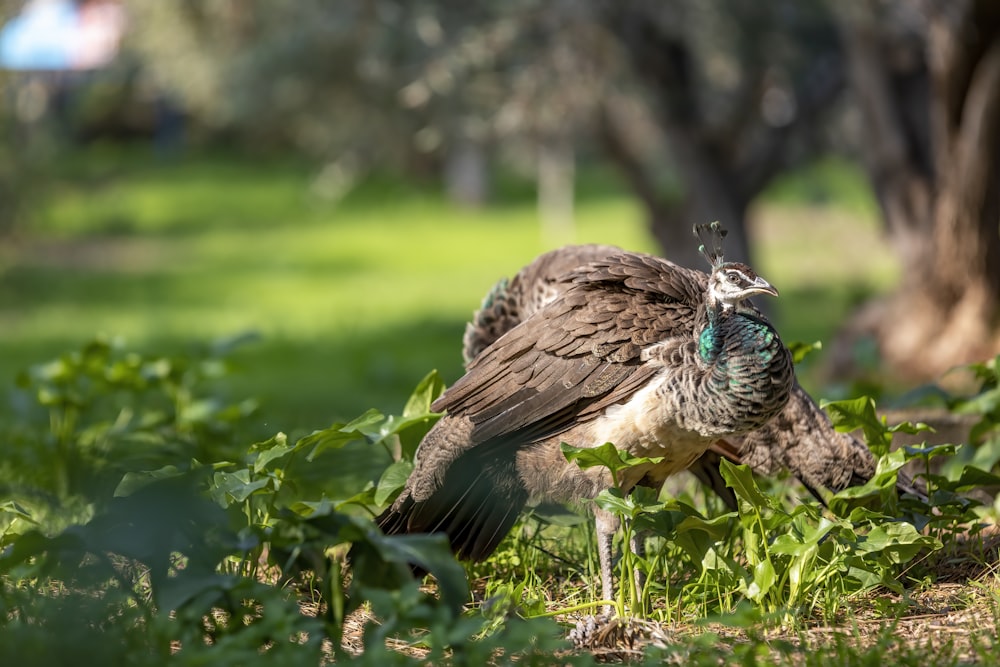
[(138, 527)]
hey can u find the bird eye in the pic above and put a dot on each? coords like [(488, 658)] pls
[(733, 278)]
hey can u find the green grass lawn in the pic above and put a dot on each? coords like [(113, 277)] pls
[(352, 302)]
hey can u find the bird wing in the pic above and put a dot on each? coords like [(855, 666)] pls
[(580, 353), (511, 301)]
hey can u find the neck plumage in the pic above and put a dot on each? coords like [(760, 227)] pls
[(712, 338), (748, 370)]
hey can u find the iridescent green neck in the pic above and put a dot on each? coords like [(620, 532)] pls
[(736, 332), (711, 339), (709, 343)]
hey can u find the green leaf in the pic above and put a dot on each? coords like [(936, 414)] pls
[(855, 413), (606, 455), (395, 425), (790, 545), (270, 450), (973, 477), (801, 350), (763, 579), (982, 404), (425, 393), (930, 451), (176, 591), (133, 481), (612, 500), (895, 543), (431, 553), (236, 485), (338, 435), (392, 481), (741, 480)]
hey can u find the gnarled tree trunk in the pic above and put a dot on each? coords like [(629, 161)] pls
[(929, 95), (723, 159)]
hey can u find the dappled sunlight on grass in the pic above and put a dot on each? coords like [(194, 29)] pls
[(353, 301)]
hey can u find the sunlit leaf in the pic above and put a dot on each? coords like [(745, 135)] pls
[(606, 455), (392, 482), (612, 500), (802, 350), (133, 481), (981, 404), (235, 485), (850, 414), (338, 435), (425, 393), (741, 480), (763, 579), (270, 450)]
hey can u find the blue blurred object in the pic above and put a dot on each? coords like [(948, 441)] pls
[(41, 37)]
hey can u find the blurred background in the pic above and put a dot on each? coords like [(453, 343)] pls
[(335, 185)]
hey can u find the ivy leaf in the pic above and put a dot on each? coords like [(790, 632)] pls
[(855, 413), (425, 393), (895, 543), (606, 455), (763, 579), (392, 482), (741, 480), (802, 350), (133, 481), (235, 485), (611, 500), (973, 477), (270, 450), (336, 436)]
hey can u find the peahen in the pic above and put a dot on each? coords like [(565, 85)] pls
[(661, 360), (800, 439)]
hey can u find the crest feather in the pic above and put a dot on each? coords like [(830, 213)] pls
[(711, 235)]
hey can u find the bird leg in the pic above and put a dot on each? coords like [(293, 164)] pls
[(607, 525), (638, 546)]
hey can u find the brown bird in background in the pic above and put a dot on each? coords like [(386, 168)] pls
[(661, 360)]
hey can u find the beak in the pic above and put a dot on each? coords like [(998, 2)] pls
[(761, 286)]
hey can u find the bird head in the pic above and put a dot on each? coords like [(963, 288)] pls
[(730, 282)]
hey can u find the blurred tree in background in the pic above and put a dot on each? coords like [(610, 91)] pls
[(699, 104), (925, 78)]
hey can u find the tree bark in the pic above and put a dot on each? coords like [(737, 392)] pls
[(931, 106), (722, 165)]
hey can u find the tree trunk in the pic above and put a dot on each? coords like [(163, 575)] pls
[(931, 105), (723, 164), (466, 173)]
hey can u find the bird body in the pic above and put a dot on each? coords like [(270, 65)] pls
[(630, 349), (800, 439)]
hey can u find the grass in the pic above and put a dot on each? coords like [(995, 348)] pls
[(352, 301)]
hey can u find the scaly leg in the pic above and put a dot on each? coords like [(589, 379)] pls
[(638, 546), (607, 525)]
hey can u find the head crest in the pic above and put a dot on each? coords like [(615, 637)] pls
[(711, 236)]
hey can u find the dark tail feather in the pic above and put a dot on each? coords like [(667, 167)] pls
[(706, 469), (475, 515)]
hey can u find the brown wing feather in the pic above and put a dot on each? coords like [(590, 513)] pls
[(579, 353)]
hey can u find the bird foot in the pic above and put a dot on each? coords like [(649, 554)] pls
[(603, 632)]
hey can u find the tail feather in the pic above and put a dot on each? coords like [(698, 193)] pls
[(475, 510)]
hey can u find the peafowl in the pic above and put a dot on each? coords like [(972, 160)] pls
[(661, 360), (800, 439)]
